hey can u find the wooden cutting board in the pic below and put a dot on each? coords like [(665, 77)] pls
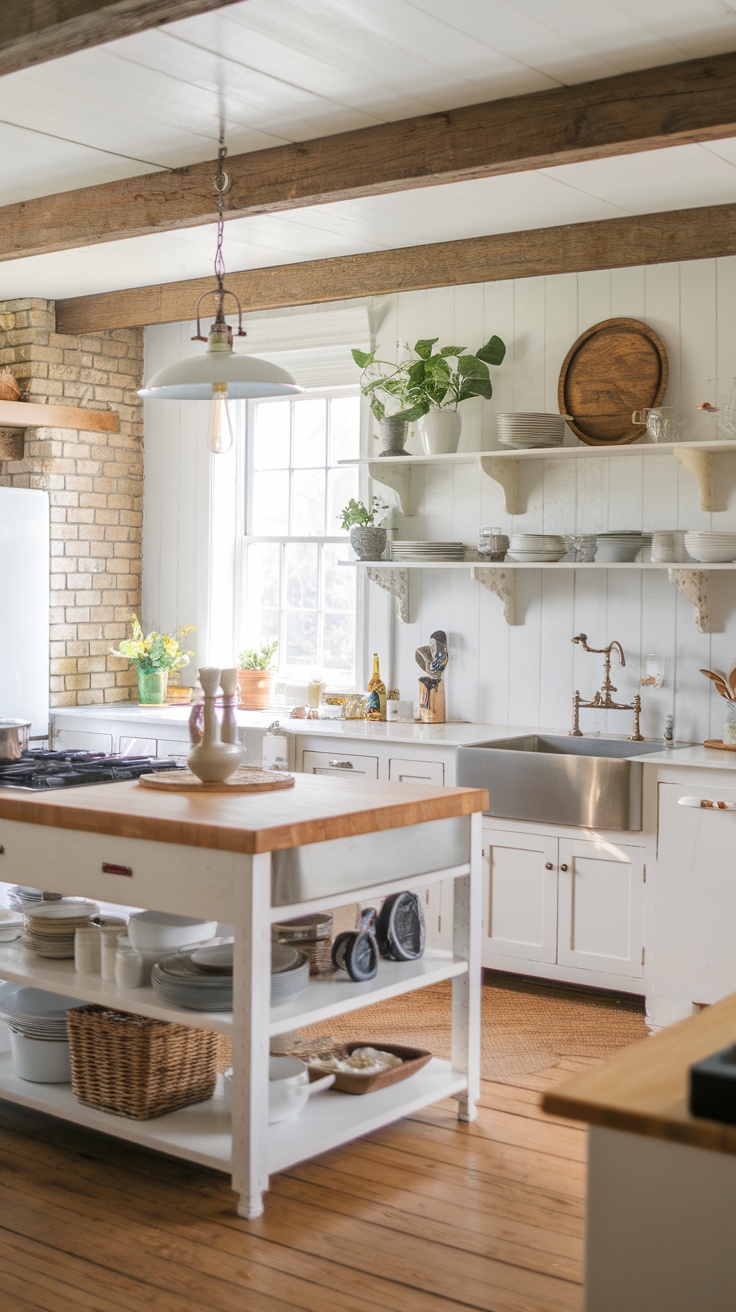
[(614, 368)]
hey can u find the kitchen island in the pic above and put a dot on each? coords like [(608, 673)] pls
[(248, 860)]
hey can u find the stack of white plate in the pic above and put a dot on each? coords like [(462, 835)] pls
[(49, 927), (38, 1033), (183, 982), (616, 548), (427, 551), (289, 973), (711, 548), (530, 548), (529, 429)]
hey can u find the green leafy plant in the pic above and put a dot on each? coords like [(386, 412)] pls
[(155, 651), (428, 379), (265, 659), (356, 513)]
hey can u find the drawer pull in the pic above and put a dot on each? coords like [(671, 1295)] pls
[(548, 865), (706, 804), (108, 868), (341, 765)]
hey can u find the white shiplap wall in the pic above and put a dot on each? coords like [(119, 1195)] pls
[(525, 674)]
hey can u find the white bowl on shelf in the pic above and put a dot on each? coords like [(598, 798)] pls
[(154, 931), (289, 1087), (711, 548), (41, 1061)]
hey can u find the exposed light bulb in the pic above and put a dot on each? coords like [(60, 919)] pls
[(221, 428)]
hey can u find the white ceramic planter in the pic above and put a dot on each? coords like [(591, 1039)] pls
[(439, 431)]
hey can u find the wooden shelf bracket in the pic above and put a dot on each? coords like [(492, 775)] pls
[(699, 464), (391, 474), (506, 474), (694, 584), (395, 581), (503, 583)]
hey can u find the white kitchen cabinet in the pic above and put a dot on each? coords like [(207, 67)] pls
[(694, 946), (563, 908), (348, 764), (415, 771)]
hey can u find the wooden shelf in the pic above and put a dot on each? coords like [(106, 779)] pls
[(691, 577), (696, 458), (28, 414)]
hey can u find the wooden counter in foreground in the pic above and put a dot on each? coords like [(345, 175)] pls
[(315, 810), (644, 1089)]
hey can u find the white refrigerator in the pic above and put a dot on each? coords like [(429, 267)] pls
[(24, 607)]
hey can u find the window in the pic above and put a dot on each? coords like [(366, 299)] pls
[(295, 590)]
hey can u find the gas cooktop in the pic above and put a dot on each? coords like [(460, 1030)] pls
[(39, 770)]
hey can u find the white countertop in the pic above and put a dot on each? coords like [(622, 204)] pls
[(708, 758)]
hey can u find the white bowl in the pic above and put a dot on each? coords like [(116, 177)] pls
[(152, 931), (289, 1087), (41, 1061)]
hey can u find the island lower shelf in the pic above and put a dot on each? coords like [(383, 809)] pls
[(202, 1133)]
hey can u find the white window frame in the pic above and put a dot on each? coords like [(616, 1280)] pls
[(245, 478)]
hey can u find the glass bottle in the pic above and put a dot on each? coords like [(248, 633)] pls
[(377, 685)]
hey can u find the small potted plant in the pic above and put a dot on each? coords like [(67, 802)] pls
[(367, 538), (437, 386), (390, 378), (154, 655), (256, 676)]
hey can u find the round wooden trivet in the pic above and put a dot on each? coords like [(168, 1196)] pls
[(246, 779), (723, 747)]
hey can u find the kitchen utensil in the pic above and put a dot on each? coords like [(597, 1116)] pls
[(289, 1087), (665, 424), (13, 738), (615, 367)]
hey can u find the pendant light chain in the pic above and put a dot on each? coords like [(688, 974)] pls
[(221, 184)]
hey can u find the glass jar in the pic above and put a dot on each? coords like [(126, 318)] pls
[(729, 726), (492, 544)]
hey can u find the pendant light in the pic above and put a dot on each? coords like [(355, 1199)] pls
[(219, 374)]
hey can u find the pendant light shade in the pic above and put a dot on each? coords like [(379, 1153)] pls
[(244, 376)]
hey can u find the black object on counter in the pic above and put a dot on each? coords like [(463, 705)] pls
[(356, 951), (400, 927), (713, 1087)]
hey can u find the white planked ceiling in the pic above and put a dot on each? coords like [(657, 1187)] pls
[(296, 69)]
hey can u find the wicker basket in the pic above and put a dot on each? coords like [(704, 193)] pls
[(134, 1066)]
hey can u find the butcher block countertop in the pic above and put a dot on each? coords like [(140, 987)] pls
[(315, 810), (644, 1089)]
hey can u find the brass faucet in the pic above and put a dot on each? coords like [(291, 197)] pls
[(603, 699)]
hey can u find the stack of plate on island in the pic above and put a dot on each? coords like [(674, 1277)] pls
[(536, 548), (198, 978), (528, 429), (618, 548), (711, 548), (427, 551), (289, 973), (49, 927)]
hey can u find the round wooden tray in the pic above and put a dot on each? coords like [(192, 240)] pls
[(614, 368), (246, 779)]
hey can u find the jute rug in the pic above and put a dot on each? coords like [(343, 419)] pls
[(526, 1026)]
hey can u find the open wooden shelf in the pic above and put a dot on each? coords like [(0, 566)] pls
[(29, 414)]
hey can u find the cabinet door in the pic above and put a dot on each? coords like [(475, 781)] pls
[(601, 907), (519, 897), (416, 772), (344, 763)]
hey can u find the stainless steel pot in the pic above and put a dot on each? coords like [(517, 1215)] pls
[(13, 738)]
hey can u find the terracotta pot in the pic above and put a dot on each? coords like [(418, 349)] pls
[(256, 689)]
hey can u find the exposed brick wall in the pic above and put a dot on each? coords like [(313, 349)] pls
[(95, 487)]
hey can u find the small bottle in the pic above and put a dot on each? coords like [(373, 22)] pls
[(130, 968), (275, 748), (669, 730), (315, 688), (377, 686), (87, 942)]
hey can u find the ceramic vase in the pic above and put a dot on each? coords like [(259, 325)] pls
[(213, 761), (152, 685), (393, 435), (368, 541), (439, 431)]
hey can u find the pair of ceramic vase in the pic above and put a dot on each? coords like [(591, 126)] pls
[(216, 752)]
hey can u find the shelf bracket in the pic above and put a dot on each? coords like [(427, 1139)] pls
[(699, 465), (391, 474), (694, 584), (506, 474), (503, 583), (395, 581)]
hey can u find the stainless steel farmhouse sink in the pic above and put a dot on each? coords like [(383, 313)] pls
[(560, 780)]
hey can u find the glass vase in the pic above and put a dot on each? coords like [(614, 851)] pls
[(152, 685), (729, 727)]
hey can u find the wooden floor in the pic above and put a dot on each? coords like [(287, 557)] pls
[(424, 1216)]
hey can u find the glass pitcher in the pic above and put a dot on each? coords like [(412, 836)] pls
[(664, 424)]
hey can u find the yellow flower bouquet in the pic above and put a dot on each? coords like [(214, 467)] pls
[(154, 655)]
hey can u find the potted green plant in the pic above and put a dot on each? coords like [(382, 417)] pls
[(439, 380), (256, 676), (154, 655), (390, 380), (367, 538)]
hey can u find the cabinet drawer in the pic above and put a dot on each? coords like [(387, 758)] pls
[(344, 763), (70, 862), (415, 772)]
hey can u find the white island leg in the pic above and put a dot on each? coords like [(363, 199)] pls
[(251, 1014), (466, 942)]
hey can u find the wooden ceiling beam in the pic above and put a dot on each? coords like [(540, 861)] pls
[(690, 234), (32, 33), (676, 103)]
